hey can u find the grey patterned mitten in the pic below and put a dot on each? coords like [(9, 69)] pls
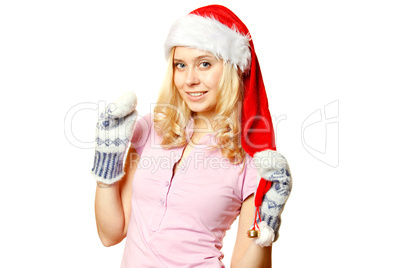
[(113, 135), (273, 167)]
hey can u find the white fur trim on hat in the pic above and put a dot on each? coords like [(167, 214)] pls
[(208, 34)]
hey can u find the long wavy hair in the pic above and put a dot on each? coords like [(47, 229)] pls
[(171, 113)]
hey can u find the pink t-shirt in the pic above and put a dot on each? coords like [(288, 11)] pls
[(180, 220)]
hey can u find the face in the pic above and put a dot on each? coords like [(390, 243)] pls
[(196, 77)]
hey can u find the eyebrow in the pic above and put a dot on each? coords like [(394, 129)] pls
[(196, 58)]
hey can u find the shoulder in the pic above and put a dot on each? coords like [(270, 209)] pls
[(248, 164), (142, 128), (145, 120)]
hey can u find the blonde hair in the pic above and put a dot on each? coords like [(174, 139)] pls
[(172, 114)]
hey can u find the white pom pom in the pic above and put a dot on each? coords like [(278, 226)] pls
[(267, 235)]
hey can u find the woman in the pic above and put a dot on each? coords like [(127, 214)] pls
[(189, 171)]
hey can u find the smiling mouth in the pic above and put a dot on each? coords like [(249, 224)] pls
[(197, 94)]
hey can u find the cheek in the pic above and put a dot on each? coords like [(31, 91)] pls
[(179, 84), (178, 81), (213, 80)]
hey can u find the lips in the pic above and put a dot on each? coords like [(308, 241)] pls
[(196, 95)]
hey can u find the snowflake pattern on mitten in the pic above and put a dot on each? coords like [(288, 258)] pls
[(113, 135), (273, 167)]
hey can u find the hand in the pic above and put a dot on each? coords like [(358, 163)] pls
[(113, 134), (272, 167)]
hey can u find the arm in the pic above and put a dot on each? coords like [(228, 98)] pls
[(113, 194), (246, 253), (113, 205)]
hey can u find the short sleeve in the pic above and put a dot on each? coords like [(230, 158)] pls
[(250, 178), (142, 129)]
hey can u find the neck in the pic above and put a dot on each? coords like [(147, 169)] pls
[(204, 122)]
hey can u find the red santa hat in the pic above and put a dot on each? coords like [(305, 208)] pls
[(217, 30)]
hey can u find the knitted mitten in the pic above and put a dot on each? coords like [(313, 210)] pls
[(274, 169), (113, 135)]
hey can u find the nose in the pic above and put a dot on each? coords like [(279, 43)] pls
[(192, 77)]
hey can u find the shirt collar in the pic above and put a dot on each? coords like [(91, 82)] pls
[(189, 131)]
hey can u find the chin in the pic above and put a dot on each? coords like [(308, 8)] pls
[(199, 107), (196, 110)]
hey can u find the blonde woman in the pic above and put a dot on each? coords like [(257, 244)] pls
[(194, 164)]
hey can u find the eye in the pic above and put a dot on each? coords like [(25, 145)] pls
[(179, 65), (205, 64)]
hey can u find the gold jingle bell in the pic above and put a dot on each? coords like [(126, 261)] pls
[(253, 233)]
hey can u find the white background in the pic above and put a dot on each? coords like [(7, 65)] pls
[(54, 55)]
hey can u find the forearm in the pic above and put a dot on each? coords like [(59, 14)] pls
[(109, 215), (256, 257)]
